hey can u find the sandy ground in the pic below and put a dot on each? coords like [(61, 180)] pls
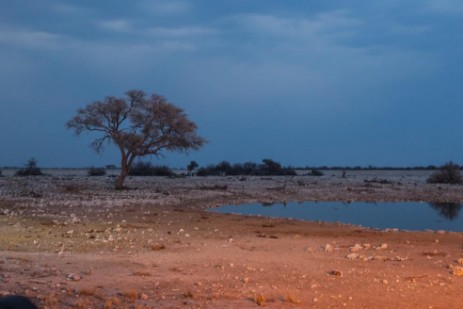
[(74, 242)]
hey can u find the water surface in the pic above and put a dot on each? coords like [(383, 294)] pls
[(401, 215)]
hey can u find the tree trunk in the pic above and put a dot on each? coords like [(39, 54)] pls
[(124, 172), (121, 178), (126, 163)]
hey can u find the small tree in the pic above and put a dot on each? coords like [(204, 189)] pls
[(96, 171), (448, 173), (139, 126), (31, 169), (192, 166), (224, 168)]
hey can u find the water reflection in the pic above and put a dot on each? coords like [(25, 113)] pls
[(449, 211), (401, 215)]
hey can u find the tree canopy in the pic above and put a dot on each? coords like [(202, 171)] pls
[(139, 125)]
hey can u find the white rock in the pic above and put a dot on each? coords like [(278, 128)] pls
[(352, 256), (328, 248), (356, 248)]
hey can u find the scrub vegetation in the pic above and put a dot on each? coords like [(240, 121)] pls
[(141, 168), (449, 173), (31, 169), (268, 167)]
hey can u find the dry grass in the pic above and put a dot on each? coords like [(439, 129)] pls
[(131, 295), (50, 300), (82, 303), (188, 294), (157, 247), (259, 299), (141, 273), (291, 298), (113, 301), (87, 292)]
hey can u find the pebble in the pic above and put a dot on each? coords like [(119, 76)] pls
[(335, 273), (383, 246), (73, 277), (356, 248), (328, 248), (352, 256), (460, 261)]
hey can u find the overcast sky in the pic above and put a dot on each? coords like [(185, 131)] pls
[(302, 82)]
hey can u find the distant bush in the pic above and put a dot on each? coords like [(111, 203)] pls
[(267, 168), (31, 169), (315, 172), (448, 173), (192, 166), (96, 171), (210, 170), (146, 169)]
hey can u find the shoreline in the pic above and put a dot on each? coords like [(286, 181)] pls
[(63, 237)]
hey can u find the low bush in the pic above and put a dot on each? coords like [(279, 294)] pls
[(316, 172), (267, 168), (210, 170), (146, 169), (31, 169), (448, 173), (96, 171)]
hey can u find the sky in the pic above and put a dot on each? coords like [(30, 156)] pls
[(305, 83)]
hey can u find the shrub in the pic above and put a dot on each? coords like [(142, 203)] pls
[(31, 169), (192, 166), (316, 172), (96, 171), (210, 170), (268, 168), (448, 173), (146, 169)]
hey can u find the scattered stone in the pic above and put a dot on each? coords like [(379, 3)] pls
[(143, 296), (353, 256), (335, 273), (456, 270), (383, 246), (356, 248), (328, 248), (73, 277), (460, 261)]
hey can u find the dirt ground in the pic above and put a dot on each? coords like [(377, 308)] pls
[(74, 242)]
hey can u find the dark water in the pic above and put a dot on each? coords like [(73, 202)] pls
[(401, 215)]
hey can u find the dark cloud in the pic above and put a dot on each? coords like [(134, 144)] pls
[(303, 82)]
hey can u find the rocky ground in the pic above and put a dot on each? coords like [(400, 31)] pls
[(74, 242)]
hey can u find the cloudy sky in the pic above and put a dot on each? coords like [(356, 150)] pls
[(302, 82)]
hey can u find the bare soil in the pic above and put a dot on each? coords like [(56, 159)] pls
[(74, 242)]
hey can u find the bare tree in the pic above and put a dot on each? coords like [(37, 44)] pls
[(139, 125)]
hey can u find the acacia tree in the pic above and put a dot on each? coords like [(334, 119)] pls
[(139, 125)]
